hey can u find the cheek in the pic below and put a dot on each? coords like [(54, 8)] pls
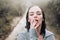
[(40, 19), (30, 18)]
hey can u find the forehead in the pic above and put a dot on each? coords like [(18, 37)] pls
[(34, 8)]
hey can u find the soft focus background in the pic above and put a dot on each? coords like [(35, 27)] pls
[(12, 16)]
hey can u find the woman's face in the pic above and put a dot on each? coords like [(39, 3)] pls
[(35, 15)]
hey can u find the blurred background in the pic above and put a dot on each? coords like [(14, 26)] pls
[(12, 14)]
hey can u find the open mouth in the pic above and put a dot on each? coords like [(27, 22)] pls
[(36, 21)]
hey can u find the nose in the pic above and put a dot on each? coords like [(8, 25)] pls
[(35, 16)]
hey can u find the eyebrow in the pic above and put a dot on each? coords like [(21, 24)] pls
[(31, 12), (38, 11)]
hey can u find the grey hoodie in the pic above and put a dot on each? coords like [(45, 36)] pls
[(32, 35)]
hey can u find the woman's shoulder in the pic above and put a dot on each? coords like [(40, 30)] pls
[(48, 33), (22, 35), (23, 32)]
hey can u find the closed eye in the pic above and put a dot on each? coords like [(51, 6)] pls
[(31, 14), (38, 13)]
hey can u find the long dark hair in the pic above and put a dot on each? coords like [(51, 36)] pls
[(43, 23)]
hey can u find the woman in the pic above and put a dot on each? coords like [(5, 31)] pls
[(35, 25)]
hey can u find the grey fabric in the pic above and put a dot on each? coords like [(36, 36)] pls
[(32, 35)]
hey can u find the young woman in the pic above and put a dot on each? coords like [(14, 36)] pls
[(35, 25)]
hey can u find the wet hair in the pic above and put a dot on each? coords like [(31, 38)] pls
[(43, 23)]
